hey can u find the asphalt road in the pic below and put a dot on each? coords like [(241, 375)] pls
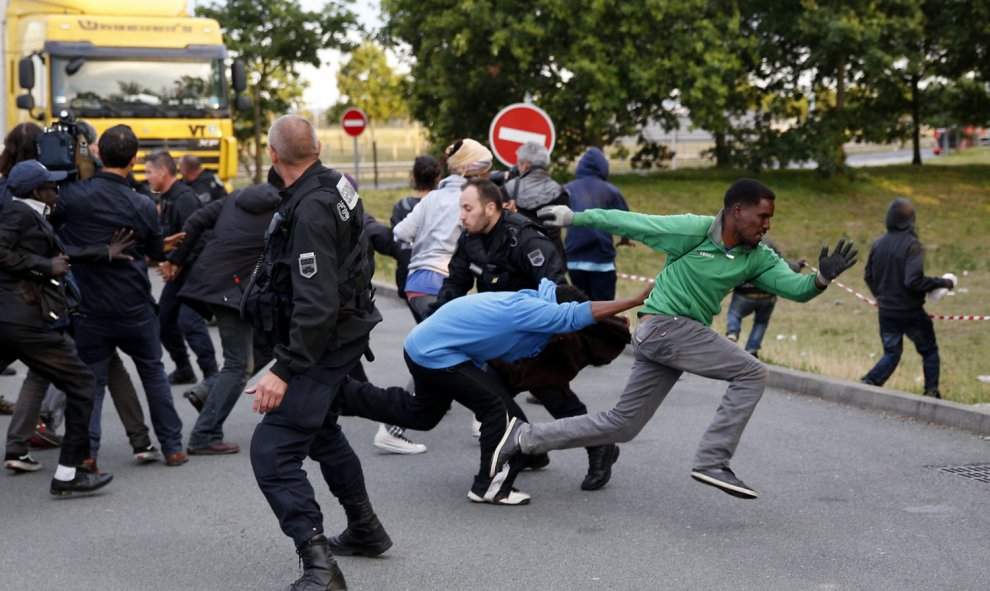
[(850, 500)]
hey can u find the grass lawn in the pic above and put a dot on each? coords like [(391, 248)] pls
[(836, 334)]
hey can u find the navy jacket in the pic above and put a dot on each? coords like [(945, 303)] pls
[(895, 271), (92, 210), (591, 191)]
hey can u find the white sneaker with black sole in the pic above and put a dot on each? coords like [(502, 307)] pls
[(20, 463), (396, 444)]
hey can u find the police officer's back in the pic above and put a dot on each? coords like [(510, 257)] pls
[(500, 250)]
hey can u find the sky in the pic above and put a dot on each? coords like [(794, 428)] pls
[(321, 91)]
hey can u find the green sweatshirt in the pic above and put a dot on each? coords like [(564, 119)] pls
[(699, 271)]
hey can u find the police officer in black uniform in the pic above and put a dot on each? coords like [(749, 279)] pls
[(312, 295), (504, 251), (204, 183)]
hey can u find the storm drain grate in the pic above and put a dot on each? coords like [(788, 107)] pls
[(980, 472)]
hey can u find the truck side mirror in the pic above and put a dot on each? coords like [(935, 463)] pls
[(238, 76), (25, 102), (25, 73), (242, 103), (74, 65)]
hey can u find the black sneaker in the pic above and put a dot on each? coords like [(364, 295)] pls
[(182, 375), (83, 482), (20, 462), (724, 480), (145, 455), (600, 460), (536, 462), (194, 399), (507, 447)]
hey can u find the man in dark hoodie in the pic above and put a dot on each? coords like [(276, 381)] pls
[(213, 288), (895, 275), (590, 253)]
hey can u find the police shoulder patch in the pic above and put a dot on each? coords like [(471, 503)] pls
[(536, 258), (342, 212), (307, 264), (347, 192)]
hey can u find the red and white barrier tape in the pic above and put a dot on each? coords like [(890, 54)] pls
[(865, 298)]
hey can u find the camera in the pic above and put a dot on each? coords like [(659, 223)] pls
[(65, 146), (57, 145)]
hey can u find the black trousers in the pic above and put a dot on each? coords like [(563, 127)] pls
[(305, 424), (480, 391), (52, 356)]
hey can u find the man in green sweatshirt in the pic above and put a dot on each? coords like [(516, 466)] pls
[(706, 258)]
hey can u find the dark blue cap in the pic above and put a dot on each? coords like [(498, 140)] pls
[(28, 175)]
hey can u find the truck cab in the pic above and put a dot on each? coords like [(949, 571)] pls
[(146, 64)]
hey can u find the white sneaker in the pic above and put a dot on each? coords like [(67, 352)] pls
[(397, 445), (475, 428), (515, 497)]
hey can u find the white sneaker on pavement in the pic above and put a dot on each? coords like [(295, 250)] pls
[(385, 441), (475, 428)]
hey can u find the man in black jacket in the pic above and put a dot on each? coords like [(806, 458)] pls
[(312, 294), (213, 288), (33, 267), (117, 308), (504, 251), (204, 183), (895, 274), (178, 323)]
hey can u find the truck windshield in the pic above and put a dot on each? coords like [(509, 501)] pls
[(98, 87)]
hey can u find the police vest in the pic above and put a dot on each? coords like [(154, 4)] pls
[(494, 267), (267, 299)]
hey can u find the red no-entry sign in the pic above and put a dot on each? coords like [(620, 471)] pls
[(354, 121), (517, 124)]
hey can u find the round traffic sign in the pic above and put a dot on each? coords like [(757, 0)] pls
[(354, 121), (517, 124)]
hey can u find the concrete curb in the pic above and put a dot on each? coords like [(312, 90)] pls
[(940, 412)]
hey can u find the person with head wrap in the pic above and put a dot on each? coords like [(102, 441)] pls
[(433, 227), (895, 275)]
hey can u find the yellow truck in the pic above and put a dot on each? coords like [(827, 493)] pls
[(143, 63)]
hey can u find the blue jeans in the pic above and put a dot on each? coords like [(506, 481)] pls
[(741, 307), (237, 340), (97, 338), (180, 323), (921, 331)]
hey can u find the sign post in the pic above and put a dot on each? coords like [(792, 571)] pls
[(517, 124), (354, 122)]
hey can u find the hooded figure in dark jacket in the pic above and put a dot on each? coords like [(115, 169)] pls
[(214, 287), (895, 275), (590, 253)]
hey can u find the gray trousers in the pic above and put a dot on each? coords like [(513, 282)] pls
[(33, 393), (665, 347)]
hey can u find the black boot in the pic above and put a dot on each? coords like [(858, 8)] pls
[(364, 536), (320, 570), (600, 460)]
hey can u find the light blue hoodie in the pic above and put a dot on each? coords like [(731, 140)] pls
[(506, 325)]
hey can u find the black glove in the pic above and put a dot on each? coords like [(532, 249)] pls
[(832, 265)]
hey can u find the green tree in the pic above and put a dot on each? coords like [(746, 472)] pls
[(370, 84), (272, 38), (599, 69)]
